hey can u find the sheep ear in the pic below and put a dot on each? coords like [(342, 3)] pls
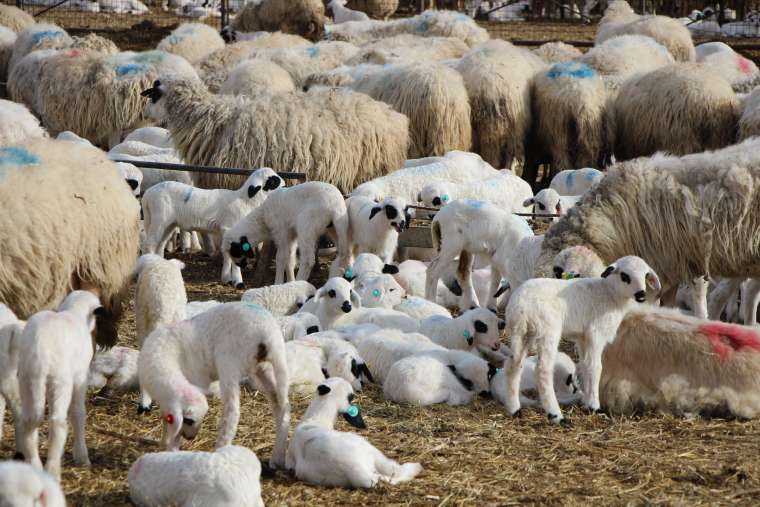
[(390, 269), (364, 369), (323, 389), (253, 190), (608, 271), (480, 327), (653, 281), (375, 211), (529, 202), (327, 375)]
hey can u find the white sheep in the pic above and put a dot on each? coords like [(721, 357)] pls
[(587, 311), (298, 325), (565, 382), (506, 191), (305, 365), (375, 226), (22, 485), (194, 308), (283, 299), (382, 317), (10, 332), (55, 350), (114, 369), (379, 291), (333, 299), (420, 308), (17, 124), (477, 329), (549, 201), (227, 477), (575, 181), (225, 343), (320, 455), (170, 204), (298, 214), (341, 13), (160, 296), (316, 357)]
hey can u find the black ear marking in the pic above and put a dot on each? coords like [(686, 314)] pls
[(569, 379), (354, 368), (323, 389), (436, 201), (480, 327), (375, 211), (100, 311), (390, 212), (331, 293), (558, 271), (365, 370), (607, 271), (466, 383), (253, 190), (272, 183), (501, 290), (327, 375), (390, 269)]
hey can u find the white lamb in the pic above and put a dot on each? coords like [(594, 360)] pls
[(283, 299), (565, 382), (587, 311), (506, 191), (382, 317), (22, 485), (375, 226), (315, 358), (379, 291), (305, 365), (226, 343), (10, 332), (475, 330), (341, 13), (333, 299), (194, 308), (114, 369), (297, 215), (549, 202), (420, 308), (368, 264), (171, 204), (320, 455), (227, 477), (575, 181), (160, 296), (298, 325), (55, 350)]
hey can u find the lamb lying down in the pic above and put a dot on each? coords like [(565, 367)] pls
[(320, 455)]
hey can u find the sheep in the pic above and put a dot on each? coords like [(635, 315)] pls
[(302, 17), (382, 317), (192, 41), (334, 298), (10, 332), (54, 353), (225, 343), (408, 47), (139, 150), (94, 249), (226, 477), (292, 216), (555, 52), (194, 308), (575, 181), (577, 262), (320, 455), (314, 358), (160, 297), (94, 42), (749, 122), (257, 76), (564, 382), (298, 325), (14, 18), (368, 265), (587, 311), (305, 365), (374, 227), (664, 360), (21, 484), (283, 299), (681, 108), (35, 37), (549, 201), (114, 369), (7, 39), (411, 277), (23, 79), (497, 76), (474, 330), (337, 129), (379, 291), (742, 73), (17, 124), (341, 13), (433, 97), (619, 19), (467, 228), (505, 191)]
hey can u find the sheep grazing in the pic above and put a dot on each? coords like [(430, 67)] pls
[(225, 343), (21, 484), (94, 249), (474, 330), (256, 76), (337, 129), (619, 19), (333, 299), (681, 108), (664, 360), (160, 296), (555, 52), (17, 124), (54, 353), (497, 76), (575, 181), (341, 13), (549, 201), (302, 17), (320, 455), (7, 39), (10, 332), (14, 18), (282, 299), (226, 477), (192, 41), (114, 370), (587, 311), (506, 191), (375, 226), (293, 216)]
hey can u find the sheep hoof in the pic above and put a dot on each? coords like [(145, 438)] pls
[(19, 456), (517, 413), (240, 286), (603, 412)]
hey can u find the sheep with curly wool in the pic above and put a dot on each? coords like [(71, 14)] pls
[(10, 332), (282, 299), (17, 124), (587, 311), (226, 477), (177, 362), (474, 330), (301, 62), (555, 52), (14, 18), (298, 325), (549, 202), (343, 137), (54, 354), (302, 17), (114, 369), (7, 39), (575, 181), (22, 484), (506, 191), (335, 298), (619, 19), (293, 216), (320, 455), (192, 41), (374, 227), (257, 76)]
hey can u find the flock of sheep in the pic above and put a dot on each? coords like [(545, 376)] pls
[(643, 149)]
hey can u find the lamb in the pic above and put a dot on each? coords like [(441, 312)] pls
[(549, 201), (296, 215), (298, 325), (337, 129), (226, 477), (160, 296), (381, 317), (379, 291), (474, 330), (368, 265), (320, 455), (144, 149), (17, 124), (587, 311), (575, 181), (341, 13), (315, 358), (131, 174), (577, 262), (114, 369), (467, 228), (619, 19), (375, 226), (506, 191), (420, 308), (257, 76), (192, 41), (21, 484), (96, 247), (225, 343), (10, 332), (564, 382), (194, 308), (302, 17), (334, 298), (283, 299), (14, 18), (54, 351)]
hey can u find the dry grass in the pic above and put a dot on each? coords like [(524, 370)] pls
[(472, 455)]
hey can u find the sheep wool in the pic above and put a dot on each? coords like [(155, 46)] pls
[(302, 17), (35, 37), (7, 39), (301, 62), (22, 484), (409, 47), (192, 41), (257, 76), (24, 78), (555, 52), (17, 124), (749, 122), (14, 18), (95, 248), (742, 73), (160, 296), (94, 42)]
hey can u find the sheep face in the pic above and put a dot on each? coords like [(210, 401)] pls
[(631, 276), (337, 394), (184, 422), (577, 262), (475, 372), (546, 201), (483, 327), (155, 108), (382, 291), (345, 366), (338, 296), (395, 212), (241, 251), (264, 179), (434, 195)]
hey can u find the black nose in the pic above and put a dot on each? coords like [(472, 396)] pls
[(436, 201), (640, 296), (312, 329), (346, 307)]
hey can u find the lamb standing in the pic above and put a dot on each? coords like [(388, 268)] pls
[(10, 332)]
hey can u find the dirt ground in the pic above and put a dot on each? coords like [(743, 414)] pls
[(473, 455)]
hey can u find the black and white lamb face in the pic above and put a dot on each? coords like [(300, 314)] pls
[(395, 212), (337, 293), (634, 276)]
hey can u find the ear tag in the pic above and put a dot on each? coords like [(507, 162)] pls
[(169, 419), (467, 334), (445, 198), (349, 273), (246, 247), (353, 411), (376, 293)]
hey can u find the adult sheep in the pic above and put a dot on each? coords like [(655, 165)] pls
[(300, 62), (681, 108), (256, 76), (35, 37), (302, 17), (192, 41), (17, 124), (431, 95), (706, 203), (14, 18), (337, 136), (7, 39), (749, 122), (555, 52), (619, 19), (94, 247), (407, 47)]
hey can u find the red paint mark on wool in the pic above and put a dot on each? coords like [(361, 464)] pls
[(744, 65), (74, 53), (728, 338)]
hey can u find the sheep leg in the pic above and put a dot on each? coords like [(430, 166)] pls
[(514, 373), (308, 251), (282, 261), (495, 284), (78, 414), (432, 275), (60, 401), (290, 273), (464, 276), (272, 380), (699, 297), (545, 378), (230, 389), (592, 373), (721, 295), (33, 409), (750, 300)]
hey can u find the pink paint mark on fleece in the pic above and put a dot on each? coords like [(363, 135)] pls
[(74, 53), (744, 65), (728, 338)]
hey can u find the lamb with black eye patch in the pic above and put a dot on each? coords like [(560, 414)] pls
[(334, 299), (477, 330), (549, 202), (375, 226)]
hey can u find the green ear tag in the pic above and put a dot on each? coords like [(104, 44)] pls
[(466, 333), (246, 247), (353, 411), (376, 293), (445, 198), (349, 273)]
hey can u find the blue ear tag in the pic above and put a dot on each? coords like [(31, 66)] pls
[(445, 198), (376, 293), (246, 247), (466, 333), (353, 411), (349, 273)]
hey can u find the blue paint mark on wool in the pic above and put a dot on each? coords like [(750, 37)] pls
[(422, 26), (14, 156), (570, 69), (259, 310), (152, 56), (569, 179), (591, 175), (188, 194), (46, 34), (313, 52), (474, 204), (130, 68)]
